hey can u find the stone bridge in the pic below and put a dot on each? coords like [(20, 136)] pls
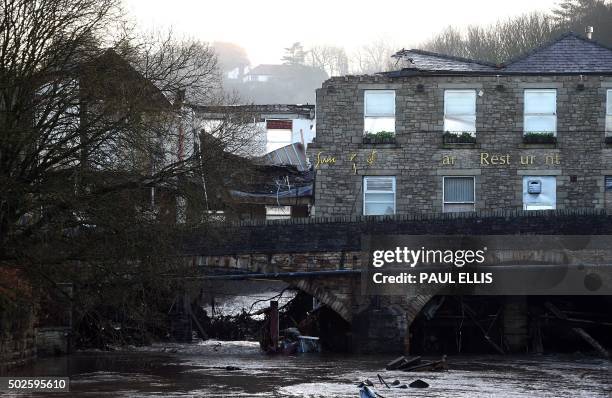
[(323, 257)]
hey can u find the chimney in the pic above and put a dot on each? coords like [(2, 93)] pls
[(589, 32)]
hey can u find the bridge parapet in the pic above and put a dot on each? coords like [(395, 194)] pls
[(343, 234)]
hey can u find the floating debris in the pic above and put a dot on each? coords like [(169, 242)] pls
[(403, 362), (418, 383)]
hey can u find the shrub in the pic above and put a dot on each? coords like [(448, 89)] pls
[(457, 137), (381, 137), (539, 138)]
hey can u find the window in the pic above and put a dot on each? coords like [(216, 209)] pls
[(214, 215), (458, 193), (378, 196), (609, 113), (278, 212), (279, 133), (608, 183), (540, 112), (460, 111), (379, 111), (539, 193)]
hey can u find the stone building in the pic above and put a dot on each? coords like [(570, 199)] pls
[(447, 134)]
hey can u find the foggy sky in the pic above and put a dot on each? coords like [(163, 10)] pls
[(265, 27)]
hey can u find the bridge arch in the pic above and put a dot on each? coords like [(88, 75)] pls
[(329, 295)]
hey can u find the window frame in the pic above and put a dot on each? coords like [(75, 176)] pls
[(378, 115), (471, 91), (364, 185), (608, 117), (444, 202), (525, 114)]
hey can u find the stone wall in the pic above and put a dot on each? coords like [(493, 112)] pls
[(324, 243), (415, 159), (18, 347)]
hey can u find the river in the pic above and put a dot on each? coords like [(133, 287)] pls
[(199, 370)]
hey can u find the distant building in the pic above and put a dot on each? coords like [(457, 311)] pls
[(237, 73), (279, 84)]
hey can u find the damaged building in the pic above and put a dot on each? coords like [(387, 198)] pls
[(267, 174)]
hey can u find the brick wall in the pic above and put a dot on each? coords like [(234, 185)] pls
[(416, 156)]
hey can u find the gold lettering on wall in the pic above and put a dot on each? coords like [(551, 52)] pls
[(505, 159), (321, 159), (371, 158), (448, 160)]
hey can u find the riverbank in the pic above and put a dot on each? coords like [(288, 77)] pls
[(201, 370)]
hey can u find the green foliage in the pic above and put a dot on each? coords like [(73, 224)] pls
[(539, 138), (458, 137), (379, 137)]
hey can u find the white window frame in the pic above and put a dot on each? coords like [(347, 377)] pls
[(377, 115), (608, 119), (278, 212), (466, 91), (444, 203), (525, 114), (364, 185)]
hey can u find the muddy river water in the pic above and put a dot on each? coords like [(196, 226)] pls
[(199, 370)]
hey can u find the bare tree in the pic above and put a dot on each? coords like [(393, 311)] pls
[(374, 57), (332, 59), (90, 167)]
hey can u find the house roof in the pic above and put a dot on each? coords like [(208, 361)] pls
[(282, 70), (568, 54), (430, 61)]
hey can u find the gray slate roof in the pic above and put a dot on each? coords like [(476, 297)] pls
[(569, 53)]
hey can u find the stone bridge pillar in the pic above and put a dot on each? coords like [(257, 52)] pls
[(381, 324)]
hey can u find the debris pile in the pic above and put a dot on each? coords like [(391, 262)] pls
[(415, 364), (366, 387)]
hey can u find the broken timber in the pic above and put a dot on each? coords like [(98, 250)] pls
[(415, 364), (579, 331), (402, 362)]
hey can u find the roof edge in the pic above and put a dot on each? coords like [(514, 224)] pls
[(452, 57)]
